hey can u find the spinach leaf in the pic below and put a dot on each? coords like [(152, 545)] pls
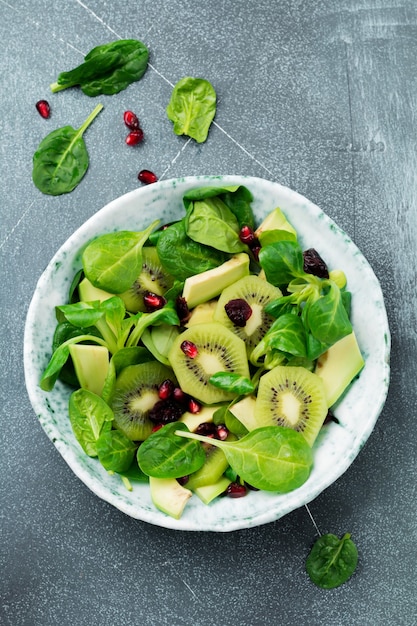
[(237, 198), (332, 561), (229, 381), (282, 261), (327, 318), (272, 458), (90, 416), (61, 159), (192, 108), (164, 455), (182, 257), (107, 69), (113, 261), (115, 451), (212, 223)]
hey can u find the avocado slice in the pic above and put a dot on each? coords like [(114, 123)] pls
[(193, 420), (202, 313), (207, 285), (244, 411), (209, 492), (275, 220), (169, 496), (91, 364), (89, 293), (338, 366)]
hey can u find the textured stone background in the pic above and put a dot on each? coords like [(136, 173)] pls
[(320, 96)]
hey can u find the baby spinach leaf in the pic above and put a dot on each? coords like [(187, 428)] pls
[(332, 561), (192, 108), (115, 451), (113, 261), (164, 455), (182, 257), (90, 416), (237, 198), (212, 223), (272, 458), (282, 261), (107, 69), (61, 159), (229, 381)]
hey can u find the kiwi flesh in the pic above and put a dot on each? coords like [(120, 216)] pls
[(218, 350), (292, 397), (135, 394), (257, 293), (153, 278)]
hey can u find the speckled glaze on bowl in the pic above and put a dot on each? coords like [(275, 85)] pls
[(337, 445)]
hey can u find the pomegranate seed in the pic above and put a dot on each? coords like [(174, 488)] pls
[(189, 348), (238, 311), (134, 137), (194, 406), (131, 120), (255, 251), (153, 302), (179, 395), (183, 480), (147, 177), (236, 490), (157, 427), (165, 389), (222, 432), (43, 108), (247, 236)]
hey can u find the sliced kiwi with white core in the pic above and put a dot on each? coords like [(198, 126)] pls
[(292, 397), (217, 349), (257, 293), (153, 278), (135, 394)]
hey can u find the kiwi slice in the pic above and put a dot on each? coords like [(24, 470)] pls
[(214, 349), (135, 394), (256, 293), (153, 278), (292, 397)]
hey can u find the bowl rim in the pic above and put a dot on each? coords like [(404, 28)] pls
[(101, 490)]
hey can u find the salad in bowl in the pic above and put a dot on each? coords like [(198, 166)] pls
[(208, 353)]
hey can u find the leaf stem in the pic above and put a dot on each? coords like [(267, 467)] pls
[(89, 119), (54, 87), (202, 438)]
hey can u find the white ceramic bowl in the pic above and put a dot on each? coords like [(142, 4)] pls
[(337, 445)]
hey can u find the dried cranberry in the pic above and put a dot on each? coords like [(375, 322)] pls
[(165, 389), (247, 236), (43, 108), (314, 264), (189, 348), (238, 311), (131, 120), (183, 480), (236, 490), (147, 177), (194, 407), (153, 302), (182, 309), (165, 411), (134, 137), (208, 429)]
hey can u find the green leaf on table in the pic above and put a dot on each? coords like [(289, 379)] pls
[(192, 108), (332, 561)]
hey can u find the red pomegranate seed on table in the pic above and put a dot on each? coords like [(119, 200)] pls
[(147, 177), (153, 302), (131, 120), (43, 108), (134, 137), (189, 348)]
